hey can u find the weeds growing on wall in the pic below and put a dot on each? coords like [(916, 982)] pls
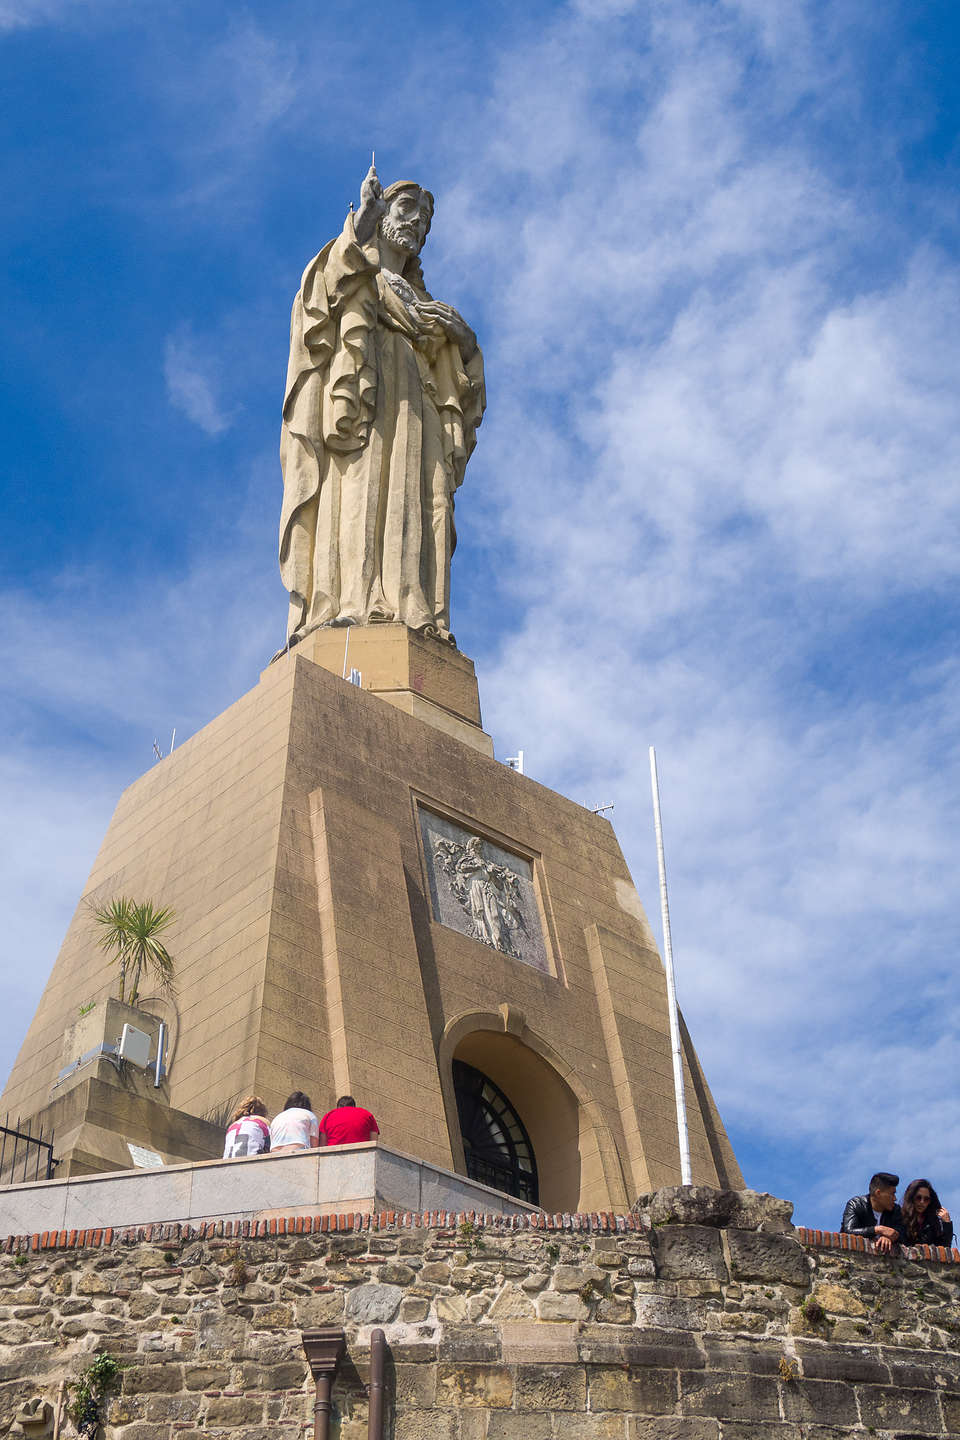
[(92, 1388)]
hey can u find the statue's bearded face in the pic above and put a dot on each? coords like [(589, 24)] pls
[(407, 221)]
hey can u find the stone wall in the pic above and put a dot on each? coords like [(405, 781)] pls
[(500, 1328)]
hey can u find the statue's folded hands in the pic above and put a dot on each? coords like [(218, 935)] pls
[(452, 322)]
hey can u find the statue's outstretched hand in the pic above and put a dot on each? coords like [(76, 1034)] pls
[(451, 322), (372, 206)]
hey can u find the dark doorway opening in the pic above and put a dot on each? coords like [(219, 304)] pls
[(496, 1146)]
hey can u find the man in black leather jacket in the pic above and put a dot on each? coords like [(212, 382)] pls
[(877, 1216)]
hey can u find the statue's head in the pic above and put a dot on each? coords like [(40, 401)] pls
[(406, 221)]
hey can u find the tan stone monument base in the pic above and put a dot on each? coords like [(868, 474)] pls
[(424, 677), (363, 898)]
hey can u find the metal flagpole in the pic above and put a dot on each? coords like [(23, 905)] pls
[(682, 1133)]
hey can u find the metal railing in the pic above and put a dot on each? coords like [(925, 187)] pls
[(24, 1156)]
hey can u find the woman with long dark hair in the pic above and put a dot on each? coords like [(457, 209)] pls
[(927, 1222)]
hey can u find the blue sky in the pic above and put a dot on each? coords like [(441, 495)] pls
[(711, 253)]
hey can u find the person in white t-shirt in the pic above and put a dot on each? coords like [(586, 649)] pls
[(248, 1132), (296, 1127)]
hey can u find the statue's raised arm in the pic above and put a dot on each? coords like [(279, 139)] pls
[(384, 395), (372, 206)]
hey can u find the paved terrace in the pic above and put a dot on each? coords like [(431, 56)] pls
[(355, 1179)]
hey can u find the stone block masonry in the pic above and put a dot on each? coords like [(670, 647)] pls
[(532, 1327)]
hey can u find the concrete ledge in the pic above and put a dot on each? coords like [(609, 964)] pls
[(362, 1179)]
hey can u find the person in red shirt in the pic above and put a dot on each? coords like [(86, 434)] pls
[(347, 1123)]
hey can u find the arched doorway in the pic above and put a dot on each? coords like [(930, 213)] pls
[(548, 1114), (496, 1146)]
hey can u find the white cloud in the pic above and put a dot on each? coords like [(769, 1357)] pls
[(224, 103), (721, 450), (90, 673), (191, 373), (57, 813), (22, 14)]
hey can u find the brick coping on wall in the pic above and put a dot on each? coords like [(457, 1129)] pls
[(835, 1240), (604, 1223)]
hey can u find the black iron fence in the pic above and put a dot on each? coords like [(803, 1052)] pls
[(24, 1156)]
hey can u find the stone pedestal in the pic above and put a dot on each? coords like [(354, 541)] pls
[(425, 677), (91, 1043), (365, 900)]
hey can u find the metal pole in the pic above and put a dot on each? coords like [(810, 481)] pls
[(158, 1071), (378, 1347), (682, 1133), (322, 1407)]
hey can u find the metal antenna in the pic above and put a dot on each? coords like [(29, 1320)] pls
[(599, 809), (682, 1133), (156, 749)]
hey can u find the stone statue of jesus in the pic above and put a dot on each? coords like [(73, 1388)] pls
[(384, 396)]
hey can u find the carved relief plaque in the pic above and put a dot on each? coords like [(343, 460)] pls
[(483, 891)]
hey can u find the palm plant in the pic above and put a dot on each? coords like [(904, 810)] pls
[(130, 935)]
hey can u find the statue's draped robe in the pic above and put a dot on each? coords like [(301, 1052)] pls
[(379, 420)]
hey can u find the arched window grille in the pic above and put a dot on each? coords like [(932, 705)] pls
[(496, 1147)]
